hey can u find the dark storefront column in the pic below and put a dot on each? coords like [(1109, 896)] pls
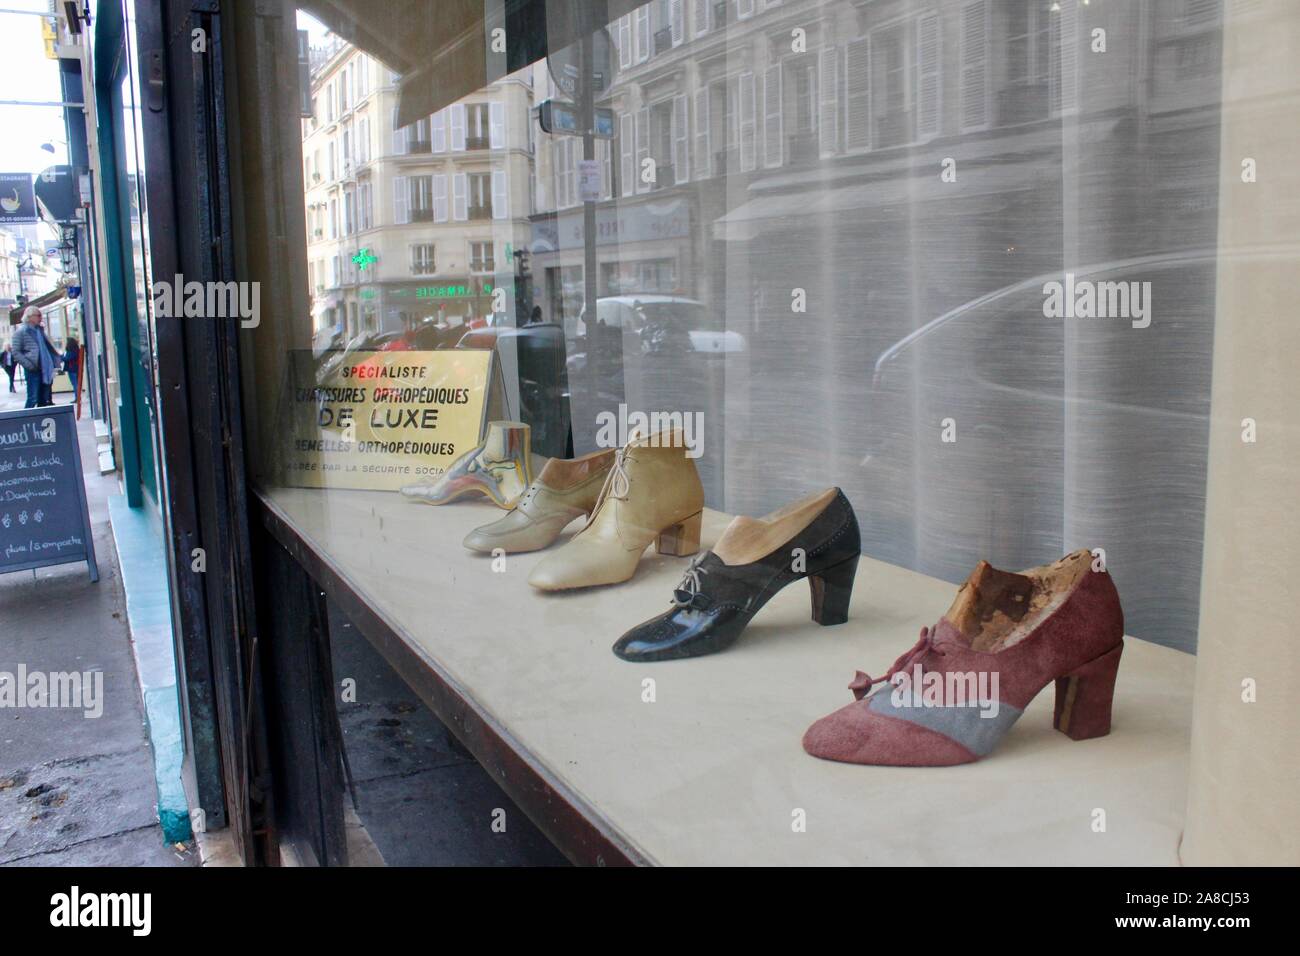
[(183, 116)]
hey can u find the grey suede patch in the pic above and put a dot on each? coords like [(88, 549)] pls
[(976, 733)]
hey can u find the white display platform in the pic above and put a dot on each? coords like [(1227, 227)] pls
[(712, 772)]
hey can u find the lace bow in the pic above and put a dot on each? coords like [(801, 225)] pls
[(688, 593), (617, 484), (862, 682)]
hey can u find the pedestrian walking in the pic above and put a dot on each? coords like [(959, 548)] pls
[(34, 352), (72, 364), (10, 365)]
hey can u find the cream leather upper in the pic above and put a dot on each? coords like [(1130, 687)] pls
[(653, 488), (563, 491)]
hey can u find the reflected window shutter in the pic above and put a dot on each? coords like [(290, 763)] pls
[(703, 154), (438, 131), (747, 145), (828, 76), (857, 95), (401, 200), (562, 173), (458, 127), (606, 152), (927, 76), (642, 39), (676, 21), (773, 135), (625, 41), (497, 125), (557, 170), (558, 173), (744, 8), (626, 160), (642, 147), (974, 64), (1065, 59), (439, 197), (571, 170), (500, 195), (459, 197), (703, 14), (681, 141), (399, 135)]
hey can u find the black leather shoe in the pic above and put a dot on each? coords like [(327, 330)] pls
[(814, 538)]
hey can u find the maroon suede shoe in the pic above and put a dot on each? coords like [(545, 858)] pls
[(953, 696)]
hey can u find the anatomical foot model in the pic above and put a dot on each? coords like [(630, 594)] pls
[(500, 470)]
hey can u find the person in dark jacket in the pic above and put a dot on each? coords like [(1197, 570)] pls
[(72, 364), (10, 365), (35, 353)]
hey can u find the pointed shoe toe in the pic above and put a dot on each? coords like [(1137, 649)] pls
[(956, 693), (670, 637), (484, 540), (515, 533), (572, 567), (565, 489), (857, 734), (814, 538), (549, 577)]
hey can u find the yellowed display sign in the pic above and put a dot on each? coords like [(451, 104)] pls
[(381, 420)]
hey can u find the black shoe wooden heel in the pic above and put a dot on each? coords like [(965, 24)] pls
[(755, 558), (832, 589)]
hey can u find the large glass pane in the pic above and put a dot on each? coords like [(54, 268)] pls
[(957, 259)]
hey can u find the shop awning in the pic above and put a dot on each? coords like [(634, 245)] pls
[(43, 301), (443, 49)]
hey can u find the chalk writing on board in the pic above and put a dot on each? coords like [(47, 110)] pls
[(43, 515)]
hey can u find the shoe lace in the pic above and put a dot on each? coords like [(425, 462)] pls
[(692, 582), (617, 484), (862, 682)]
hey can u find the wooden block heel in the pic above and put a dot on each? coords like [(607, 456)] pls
[(681, 539), (831, 591), (1084, 696)]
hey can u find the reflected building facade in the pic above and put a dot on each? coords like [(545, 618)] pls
[(411, 224)]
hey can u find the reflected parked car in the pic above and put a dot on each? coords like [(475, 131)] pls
[(663, 323), (1065, 432)]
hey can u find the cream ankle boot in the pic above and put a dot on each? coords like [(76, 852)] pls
[(565, 489), (653, 492)]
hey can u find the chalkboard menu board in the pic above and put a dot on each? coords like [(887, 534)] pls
[(43, 516)]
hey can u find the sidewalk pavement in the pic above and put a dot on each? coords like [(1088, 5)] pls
[(76, 790)]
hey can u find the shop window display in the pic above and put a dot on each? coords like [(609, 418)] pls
[(882, 293)]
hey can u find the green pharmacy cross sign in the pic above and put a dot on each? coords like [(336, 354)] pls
[(364, 259)]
